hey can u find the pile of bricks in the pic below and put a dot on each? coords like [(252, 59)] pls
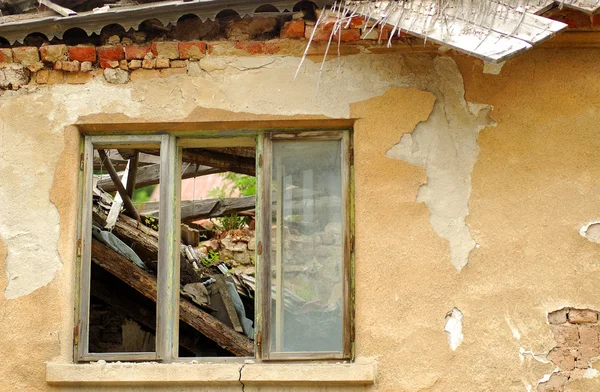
[(577, 335)]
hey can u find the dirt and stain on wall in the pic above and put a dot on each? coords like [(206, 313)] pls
[(446, 157)]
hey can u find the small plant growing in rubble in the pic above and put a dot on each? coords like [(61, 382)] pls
[(230, 222), (150, 222), (212, 259)]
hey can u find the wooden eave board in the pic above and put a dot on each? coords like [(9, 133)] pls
[(510, 34)]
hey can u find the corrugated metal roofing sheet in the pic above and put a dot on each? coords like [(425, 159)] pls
[(493, 32), (131, 17)]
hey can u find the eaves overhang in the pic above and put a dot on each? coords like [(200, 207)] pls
[(132, 16)]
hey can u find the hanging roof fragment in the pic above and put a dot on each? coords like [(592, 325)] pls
[(488, 29)]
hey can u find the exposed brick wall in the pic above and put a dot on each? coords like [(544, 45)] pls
[(577, 335), (75, 64)]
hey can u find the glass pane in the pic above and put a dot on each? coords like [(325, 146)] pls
[(124, 256), (218, 244), (307, 247)]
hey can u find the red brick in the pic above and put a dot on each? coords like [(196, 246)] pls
[(377, 34), (356, 22), (251, 47), (110, 53), (589, 335), (6, 55), (596, 21), (192, 50), (110, 64), (564, 358), (348, 35), (136, 52), (558, 317), (270, 47), (292, 29), (148, 63), (586, 354), (82, 53), (321, 35), (582, 316), (169, 50), (565, 335)]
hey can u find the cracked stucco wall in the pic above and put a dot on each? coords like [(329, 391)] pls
[(430, 182), (446, 147)]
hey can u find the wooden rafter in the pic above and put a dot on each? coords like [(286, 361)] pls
[(150, 175), (145, 283), (129, 206), (192, 210)]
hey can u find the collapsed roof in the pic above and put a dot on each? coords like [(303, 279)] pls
[(493, 30)]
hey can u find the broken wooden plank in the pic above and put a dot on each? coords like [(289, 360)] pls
[(57, 8), (144, 242), (133, 170), (228, 302), (225, 162), (109, 289), (192, 210), (145, 283), (129, 207), (119, 162), (150, 175), (115, 208), (142, 239)]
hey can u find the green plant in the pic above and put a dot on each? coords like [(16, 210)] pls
[(245, 185), (151, 222), (231, 222), (212, 258)]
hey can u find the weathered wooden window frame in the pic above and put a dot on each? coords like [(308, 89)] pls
[(167, 339)]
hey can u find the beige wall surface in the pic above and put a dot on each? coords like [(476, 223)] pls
[(470, 193)]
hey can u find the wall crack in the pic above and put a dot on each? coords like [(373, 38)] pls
[(240, 379)]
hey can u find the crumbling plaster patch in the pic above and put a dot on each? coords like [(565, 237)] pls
[(31, 141), (591, 231), (454, 328), (446, 147)]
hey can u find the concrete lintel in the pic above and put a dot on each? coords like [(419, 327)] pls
[(208, 374)]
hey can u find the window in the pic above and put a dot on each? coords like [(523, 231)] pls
[(257, 266)]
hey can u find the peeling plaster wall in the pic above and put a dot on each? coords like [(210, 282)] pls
[(429, 184), (446, 147)]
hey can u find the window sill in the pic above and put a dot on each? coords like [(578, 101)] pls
[(209, 374)]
